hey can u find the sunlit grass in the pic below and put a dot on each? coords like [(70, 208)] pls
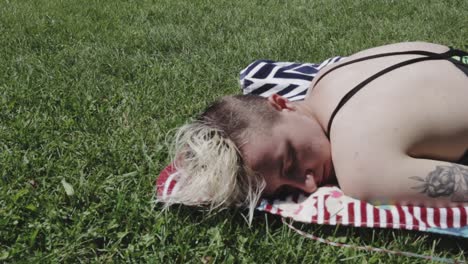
[(89, 90)]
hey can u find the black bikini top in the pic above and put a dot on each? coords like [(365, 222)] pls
[(428, 56)]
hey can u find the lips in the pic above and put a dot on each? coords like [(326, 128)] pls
[(329, 168), (326, 172), (319, 178)]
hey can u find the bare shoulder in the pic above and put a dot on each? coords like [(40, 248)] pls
[(396, 47), (360, 156), (414, 113), (403, 46)]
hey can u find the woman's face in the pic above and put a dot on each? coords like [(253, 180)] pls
[(295, 154)]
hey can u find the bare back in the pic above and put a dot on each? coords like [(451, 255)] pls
[(418, 111)]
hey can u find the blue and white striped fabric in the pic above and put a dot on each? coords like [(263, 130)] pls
[(288, 79)]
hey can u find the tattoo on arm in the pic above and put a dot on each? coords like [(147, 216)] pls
[(449, 181)]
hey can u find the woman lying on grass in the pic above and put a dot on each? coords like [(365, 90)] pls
[(386, 124)]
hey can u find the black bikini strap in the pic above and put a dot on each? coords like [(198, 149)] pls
[(433, 56), (411, 52), (457, 52)]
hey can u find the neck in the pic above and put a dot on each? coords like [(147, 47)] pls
[(304, 109)]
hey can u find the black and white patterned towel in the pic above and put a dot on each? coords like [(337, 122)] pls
[(288, 79)]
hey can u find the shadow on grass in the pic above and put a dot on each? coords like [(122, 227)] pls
[(367, 236), (264, 223)]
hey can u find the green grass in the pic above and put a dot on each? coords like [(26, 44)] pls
[(89, 90)]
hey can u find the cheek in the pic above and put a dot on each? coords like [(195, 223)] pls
[(307, 157), (314, 152), (324, 151), (311, 144)]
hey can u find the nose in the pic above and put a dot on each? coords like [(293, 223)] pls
[(305, 182)]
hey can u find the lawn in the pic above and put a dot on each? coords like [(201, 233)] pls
[(89, 91)]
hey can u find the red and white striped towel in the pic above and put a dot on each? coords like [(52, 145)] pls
[(328, 205)]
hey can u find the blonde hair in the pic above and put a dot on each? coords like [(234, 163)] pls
[(206, 155)]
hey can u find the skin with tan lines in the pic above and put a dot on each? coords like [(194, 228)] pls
[(396, 140)]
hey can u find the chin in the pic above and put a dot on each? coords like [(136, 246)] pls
[(310, 190)]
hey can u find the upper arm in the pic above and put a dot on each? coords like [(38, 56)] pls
[(410, 180)]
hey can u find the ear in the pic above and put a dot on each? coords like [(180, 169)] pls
[(279, 102)]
